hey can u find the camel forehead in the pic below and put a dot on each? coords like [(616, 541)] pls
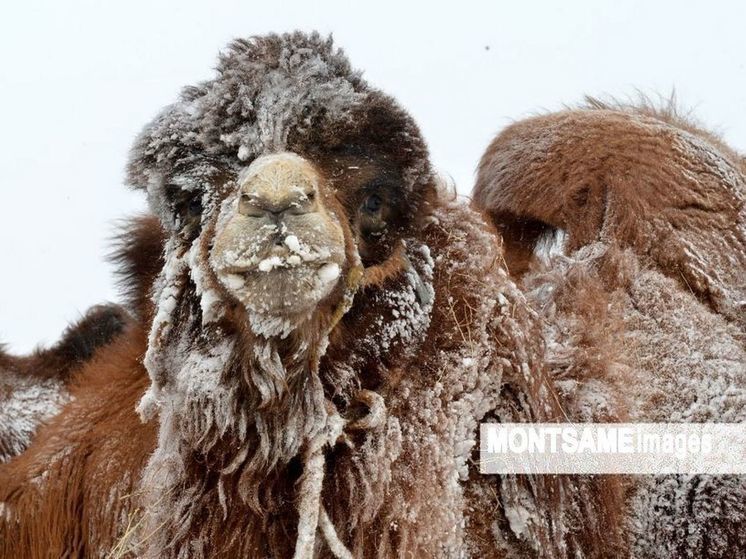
[(294, 92), (265, 91)]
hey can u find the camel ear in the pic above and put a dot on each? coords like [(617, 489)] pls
[(669, 192)]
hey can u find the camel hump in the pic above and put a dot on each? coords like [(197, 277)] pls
[(34, 388), (77, 345), (80, 341), (641, 178)]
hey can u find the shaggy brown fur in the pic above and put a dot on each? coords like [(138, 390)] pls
[(33, 387), (76, 346), (647, 292), (354, 431), (138, 256)]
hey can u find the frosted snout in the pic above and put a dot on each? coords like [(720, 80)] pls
[(277, 184), (279, 250)]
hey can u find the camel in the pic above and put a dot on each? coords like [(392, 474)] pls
[(319, 325)]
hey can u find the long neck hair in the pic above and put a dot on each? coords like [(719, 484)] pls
[(235, 407)]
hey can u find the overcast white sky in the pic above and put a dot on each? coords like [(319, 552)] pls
[(79, 79)]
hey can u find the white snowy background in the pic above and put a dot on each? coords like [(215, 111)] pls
[(78, 79)]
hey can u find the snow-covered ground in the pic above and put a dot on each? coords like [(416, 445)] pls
[(79, 78)]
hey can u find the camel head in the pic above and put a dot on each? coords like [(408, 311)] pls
[(284, 186), (283, 177)]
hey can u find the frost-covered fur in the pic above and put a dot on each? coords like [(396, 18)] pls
[(27, 401), (353, 430), (643, 178), (648, 295), (33, 388)]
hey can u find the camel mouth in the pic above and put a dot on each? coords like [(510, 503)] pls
[(236, 279), (280, 259), (282, 282)]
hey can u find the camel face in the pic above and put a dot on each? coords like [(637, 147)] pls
[(276, 184), (278, 248)]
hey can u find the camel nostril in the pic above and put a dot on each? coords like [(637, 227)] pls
[(277, 185), (275, 207), (248, 206)]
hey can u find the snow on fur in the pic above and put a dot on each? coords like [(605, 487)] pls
[(26, 402), (352, 429), (642, 311)]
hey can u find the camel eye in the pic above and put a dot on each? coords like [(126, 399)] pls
[(373, 204)]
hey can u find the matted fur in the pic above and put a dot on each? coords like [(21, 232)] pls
[(255, 435), (33, 388), (647, 292)]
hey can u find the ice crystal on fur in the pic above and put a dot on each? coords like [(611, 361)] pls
[(317, 372), (26, 402)]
